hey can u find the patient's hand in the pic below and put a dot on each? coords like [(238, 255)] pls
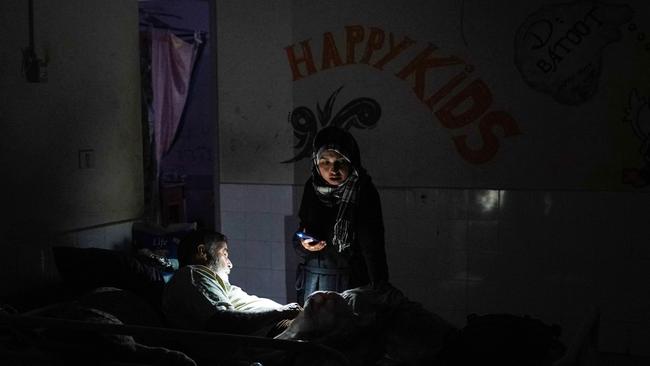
[(326, 313), (290, 311), (312, 245)]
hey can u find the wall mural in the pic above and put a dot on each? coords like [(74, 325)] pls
[(360, 113), (486, 88), (558, 49), (637, 116), (469, 103)]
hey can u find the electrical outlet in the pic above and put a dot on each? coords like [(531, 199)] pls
[(86, 159)]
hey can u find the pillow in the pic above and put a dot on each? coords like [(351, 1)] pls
[(89, 268), (161, 241)]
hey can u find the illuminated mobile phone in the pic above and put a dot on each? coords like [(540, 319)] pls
[(304, 236)]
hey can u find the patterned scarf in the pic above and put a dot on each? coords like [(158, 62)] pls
[(346, 196)]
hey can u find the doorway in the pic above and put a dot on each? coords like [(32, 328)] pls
[(180, 185)]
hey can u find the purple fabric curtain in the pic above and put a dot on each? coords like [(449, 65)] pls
[(172, 60)]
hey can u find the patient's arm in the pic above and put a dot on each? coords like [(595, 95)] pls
[(242, 301), (246, 322)]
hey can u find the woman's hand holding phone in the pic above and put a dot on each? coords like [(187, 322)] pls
[(310, 243)]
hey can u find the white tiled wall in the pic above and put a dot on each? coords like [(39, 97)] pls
[(254, 217), (547, 254)]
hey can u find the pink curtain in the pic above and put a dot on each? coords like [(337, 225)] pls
[(172, 60)]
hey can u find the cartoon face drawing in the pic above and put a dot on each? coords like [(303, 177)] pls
[(638, 116)]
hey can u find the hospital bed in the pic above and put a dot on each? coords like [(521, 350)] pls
[(49, 336), (21, 343), (105, 313)]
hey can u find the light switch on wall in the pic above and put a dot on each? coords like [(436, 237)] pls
[(86, 159)]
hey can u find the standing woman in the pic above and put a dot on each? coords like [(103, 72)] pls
[(340, 214)]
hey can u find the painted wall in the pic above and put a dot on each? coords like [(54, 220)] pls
[(540, 221), (254, 93), (91, 101)]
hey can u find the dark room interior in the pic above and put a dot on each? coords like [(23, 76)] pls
[(508, 144)]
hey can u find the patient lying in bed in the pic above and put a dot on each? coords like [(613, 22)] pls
[(371, 324), (381, 326)]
